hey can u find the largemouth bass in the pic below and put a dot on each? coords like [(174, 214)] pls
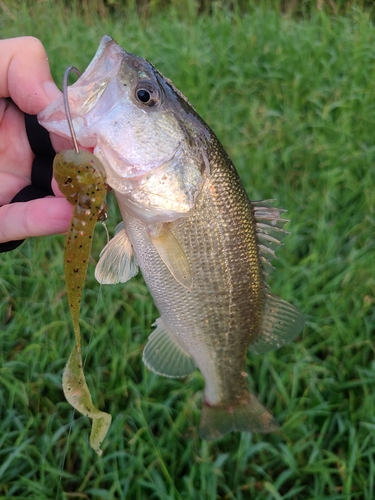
[(203, 248)]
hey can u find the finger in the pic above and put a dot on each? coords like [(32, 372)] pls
[(25, 74), (39, 217)]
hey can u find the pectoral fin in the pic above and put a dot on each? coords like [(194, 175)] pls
[(165, 356), (281, 323), (173, 256), (116, 263)]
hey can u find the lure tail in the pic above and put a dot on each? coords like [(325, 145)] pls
[(249, 416), (78, 395)]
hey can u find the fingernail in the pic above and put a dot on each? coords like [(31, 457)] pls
[(51, 90)]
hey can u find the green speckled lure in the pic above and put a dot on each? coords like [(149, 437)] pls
[(81, 179)]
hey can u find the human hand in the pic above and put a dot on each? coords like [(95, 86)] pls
[(25, 77)]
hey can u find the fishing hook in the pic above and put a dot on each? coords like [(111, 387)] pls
[(66, 104), (102, 216)]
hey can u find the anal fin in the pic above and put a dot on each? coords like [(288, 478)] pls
[(116, 263), (281, 323), (165, 356)]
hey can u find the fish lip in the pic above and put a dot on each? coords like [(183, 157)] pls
[(103, 45), (107, 58)]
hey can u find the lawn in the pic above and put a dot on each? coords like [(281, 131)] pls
[(292, 99)]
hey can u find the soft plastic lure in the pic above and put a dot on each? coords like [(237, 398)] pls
[(81, 179)]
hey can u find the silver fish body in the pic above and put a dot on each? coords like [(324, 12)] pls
[(203, 248)]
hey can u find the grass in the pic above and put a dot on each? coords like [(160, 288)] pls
[(293, 102)]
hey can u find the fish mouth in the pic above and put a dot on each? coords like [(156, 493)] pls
[(84, 95)]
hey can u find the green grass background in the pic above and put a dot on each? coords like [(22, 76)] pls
[(292, 98)]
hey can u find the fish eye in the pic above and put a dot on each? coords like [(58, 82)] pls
[(146, 93), (143, 95)]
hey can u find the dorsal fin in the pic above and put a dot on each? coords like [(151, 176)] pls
[(280, 324), (269, 227), (281, 321)]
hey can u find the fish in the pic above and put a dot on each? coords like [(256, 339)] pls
[(81, 179), (204, 249)]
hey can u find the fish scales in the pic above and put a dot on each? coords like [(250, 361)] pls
[(203, 248), (216, 320)]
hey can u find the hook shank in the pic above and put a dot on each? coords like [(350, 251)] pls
[(66, 104)]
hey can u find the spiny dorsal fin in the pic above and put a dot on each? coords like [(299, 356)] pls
[(116, 263), (164, 355), (269, 226)]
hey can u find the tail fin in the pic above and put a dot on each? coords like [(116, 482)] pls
[(249, 416)]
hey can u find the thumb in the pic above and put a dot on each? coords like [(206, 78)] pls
[(25, 74)]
